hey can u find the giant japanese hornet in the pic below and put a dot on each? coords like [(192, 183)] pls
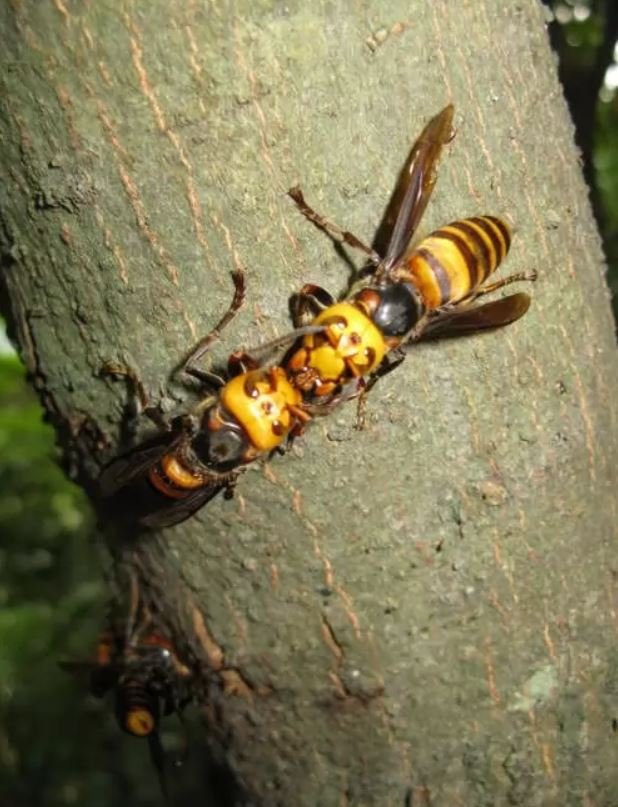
[(344, 348), (144, 672), (405, 295), (201, 453)]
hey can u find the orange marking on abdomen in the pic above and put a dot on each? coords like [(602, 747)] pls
[(172, 479), (428, 276), (456, 260), (105, 650)]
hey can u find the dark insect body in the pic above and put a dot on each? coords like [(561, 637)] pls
[(146, 676), (201, 453), (341, 347), (405, 295)]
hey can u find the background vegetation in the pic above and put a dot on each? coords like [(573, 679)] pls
[(57, 746)]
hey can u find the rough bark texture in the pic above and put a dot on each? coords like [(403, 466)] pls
[(421, 613)]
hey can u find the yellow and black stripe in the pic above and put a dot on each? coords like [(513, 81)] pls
[(457, 259), (137, 709)]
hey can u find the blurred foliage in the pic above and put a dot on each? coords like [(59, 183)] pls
[(58, 746), (584, 33), (606, 166)]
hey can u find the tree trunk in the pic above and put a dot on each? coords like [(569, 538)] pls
[(424, 612)]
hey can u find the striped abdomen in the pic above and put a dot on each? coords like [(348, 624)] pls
[(137, 709), (456, 260)]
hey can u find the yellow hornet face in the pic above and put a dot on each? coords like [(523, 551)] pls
[(264, 403), (351, 345)]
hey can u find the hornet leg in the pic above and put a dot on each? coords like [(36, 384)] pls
[(505, 281), (336, 233), (139, 395), (204, 345)]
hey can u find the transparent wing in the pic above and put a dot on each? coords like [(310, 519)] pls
[(416, 182), (97, 679), (128, 467), (176, 510), (459, 321)]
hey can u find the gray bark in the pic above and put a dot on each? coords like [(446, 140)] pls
[(420, 613)]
